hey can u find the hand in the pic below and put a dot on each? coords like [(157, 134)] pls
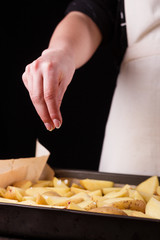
[(46, 80)]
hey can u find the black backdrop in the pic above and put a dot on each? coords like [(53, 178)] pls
[(25, 33)]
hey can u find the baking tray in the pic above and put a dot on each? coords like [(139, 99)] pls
[(29, 222)]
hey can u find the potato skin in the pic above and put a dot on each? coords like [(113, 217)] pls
[(124, 203), (109, 210)]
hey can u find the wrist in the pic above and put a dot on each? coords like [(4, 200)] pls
[(64, 50)]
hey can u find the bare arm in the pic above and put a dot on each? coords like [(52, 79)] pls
[(79, 34), (72, 44)]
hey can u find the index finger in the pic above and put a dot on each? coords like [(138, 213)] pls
[(35, 88)]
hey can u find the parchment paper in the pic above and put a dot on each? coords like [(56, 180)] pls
[(32, 169)]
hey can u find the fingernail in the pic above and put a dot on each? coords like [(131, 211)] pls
[(48, 126), (57, 123)]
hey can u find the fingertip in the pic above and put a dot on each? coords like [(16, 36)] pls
[(49, 127), (57, 123)]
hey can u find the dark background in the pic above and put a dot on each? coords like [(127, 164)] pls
[(25, 33)]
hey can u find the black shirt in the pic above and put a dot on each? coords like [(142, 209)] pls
[(110, 18)]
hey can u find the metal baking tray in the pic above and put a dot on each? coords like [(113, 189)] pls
[(29, 222)]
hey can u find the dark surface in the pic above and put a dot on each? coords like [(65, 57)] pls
[(44, 223)]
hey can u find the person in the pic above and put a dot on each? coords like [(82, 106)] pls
[(132, 136)]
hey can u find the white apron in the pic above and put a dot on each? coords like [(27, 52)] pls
[(132, 137)]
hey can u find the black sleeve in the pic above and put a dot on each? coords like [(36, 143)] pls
[(102, 12), (109, 15)]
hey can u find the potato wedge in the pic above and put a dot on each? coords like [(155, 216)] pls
[(59, 183), (133, 213), (96, 198), (68, 194), (109, 210), (153, 208), (6, 200), (51, 193), (76, 186), (95, 193), (61, 191), (64, 201), (25, 198), (92, 184), (43, 183), (24, 184), (158, 190), (123, 203), (122, 193), (77, 190), (14, 193), (66, 181), (28, 202), (148, 187), (56, 201), (41, 200), (34, 191), (87, 205), (2, 192), (135, 194), (111, 189), (156, 197), (81, 195), (74, 206)]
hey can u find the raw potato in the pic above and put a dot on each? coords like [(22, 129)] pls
[(92, 184), (56, 201), (111, 189), (134, 213), (153, 208), (109, 210), (43, 183), (28, 202), (123, 203), (5, 200), (40, 190), (59, 183), (98, 198), (64, 201), (135, 194), (81, 195), (23, 184), (2, 192), (95, 193), (14, 193), (77, 190), (148, 187), (87, 205), (124, 192), (74, 206), (158, 190), (156, 197), (76, 186), (25, 198), (51, 193), (41, 200)]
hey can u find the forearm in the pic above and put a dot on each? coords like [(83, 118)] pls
[(78, 36)]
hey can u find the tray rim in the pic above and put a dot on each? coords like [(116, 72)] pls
[(102, 175), (15, 205)]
